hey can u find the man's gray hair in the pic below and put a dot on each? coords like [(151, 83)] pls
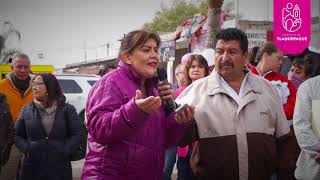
[(17, 56)]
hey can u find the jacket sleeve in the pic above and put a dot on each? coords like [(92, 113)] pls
[(174, 131), (306, 138), (110, 117), (21, 134), (74, 129), (289, 106), (282, 135), (9, 131), (190, 136), (7, 121)]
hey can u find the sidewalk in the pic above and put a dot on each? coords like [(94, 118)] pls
[(77, 169), (78, 165)]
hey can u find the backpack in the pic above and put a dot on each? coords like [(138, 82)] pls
[(81, 151)]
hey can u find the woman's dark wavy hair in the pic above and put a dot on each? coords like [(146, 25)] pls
[(253, 54), (136, 39), (201, 60), (53, 89), (305, 62)]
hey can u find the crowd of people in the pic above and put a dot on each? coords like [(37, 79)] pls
[(271, 135), (244, 118)]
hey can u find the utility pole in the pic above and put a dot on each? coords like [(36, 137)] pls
[(85, 52), (96, 54), (108, 45), (237, 14)]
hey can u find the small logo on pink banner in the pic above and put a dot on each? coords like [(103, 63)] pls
[(292, 27)]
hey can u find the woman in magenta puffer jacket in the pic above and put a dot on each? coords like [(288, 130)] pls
[(128, 129)]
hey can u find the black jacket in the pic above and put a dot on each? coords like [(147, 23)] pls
[(6, 131), (47, 157)]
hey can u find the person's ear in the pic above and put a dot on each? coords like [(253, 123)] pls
[(246, 58), (126, 57), (265, 55)]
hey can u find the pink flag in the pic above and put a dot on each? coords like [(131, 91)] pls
[(292, 25)]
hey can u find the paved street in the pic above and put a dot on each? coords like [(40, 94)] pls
[(78, 165), (77, 169)]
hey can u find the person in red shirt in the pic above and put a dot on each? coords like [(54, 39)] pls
[(269, 60)]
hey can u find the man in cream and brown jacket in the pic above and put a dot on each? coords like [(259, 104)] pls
[(240, 126)]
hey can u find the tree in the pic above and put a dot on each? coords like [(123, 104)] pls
[(9, 30), (214, 26), (168, 19)]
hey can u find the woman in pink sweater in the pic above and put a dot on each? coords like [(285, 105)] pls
[(196, 68)]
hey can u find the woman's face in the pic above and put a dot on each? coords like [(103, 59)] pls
[(196, 70), (39, 89), (144, 60), (299, 71), (274, 61)]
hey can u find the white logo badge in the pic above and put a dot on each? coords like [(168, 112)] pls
[(291, 20)]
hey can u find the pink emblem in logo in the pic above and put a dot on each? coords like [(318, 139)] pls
[(292, 25)]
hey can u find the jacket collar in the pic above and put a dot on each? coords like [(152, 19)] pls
[(133, 75), (9, 78), (254, 70), (214, 86)]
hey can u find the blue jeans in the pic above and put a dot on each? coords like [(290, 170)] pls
[(170, 160), (184, 169)]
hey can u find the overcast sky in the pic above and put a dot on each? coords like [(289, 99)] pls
[(60, 29)]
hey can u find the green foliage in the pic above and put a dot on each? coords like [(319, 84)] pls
[(168, 19)]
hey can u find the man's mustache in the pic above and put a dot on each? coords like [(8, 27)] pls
[(226, 63)]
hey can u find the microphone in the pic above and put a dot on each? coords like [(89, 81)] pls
[(162, 76)]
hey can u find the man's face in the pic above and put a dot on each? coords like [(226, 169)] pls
[(21, 68), (229, 59)]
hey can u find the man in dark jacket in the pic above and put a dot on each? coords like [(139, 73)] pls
[(6, 131), (17, 89)]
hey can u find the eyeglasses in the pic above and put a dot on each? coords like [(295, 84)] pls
[(36, 85)]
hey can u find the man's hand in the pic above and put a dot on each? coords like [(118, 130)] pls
[(165, 91), (185, 116), (149, 104)]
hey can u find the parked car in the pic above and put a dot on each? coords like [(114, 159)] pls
[(76, 88)]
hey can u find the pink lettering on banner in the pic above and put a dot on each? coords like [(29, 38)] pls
[(292, 25)]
